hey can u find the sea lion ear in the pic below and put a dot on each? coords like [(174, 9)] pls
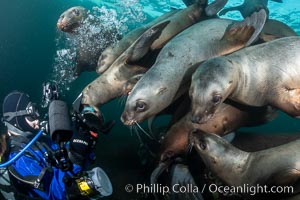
[(161, 90)]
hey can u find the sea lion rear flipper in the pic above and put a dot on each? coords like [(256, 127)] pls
[(243, 33), (213, 8), (142, 45)]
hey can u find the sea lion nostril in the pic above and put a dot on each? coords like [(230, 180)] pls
[(195, 131), (195, 119)]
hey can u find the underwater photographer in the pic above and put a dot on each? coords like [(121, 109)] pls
[(51, 159)]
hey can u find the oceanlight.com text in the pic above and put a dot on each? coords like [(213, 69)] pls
[(212, 188)]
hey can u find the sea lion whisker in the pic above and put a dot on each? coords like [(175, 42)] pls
[(147, 134), (138, 135), (122, 100), (189, 148), (130, 129)]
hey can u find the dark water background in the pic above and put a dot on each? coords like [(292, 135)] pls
[(28, 47)]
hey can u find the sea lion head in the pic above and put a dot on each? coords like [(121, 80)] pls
[(211, 85), (210, 147), (143, 103), (71, 18)]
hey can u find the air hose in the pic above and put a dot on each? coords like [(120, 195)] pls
[(23, 150)]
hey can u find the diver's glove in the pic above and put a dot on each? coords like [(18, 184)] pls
[(88, 184), (81, 147)]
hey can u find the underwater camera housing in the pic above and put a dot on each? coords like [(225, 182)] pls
[(86, 120), (60, 131), (59, 121)]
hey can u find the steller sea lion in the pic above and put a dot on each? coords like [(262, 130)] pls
[(110, 84), (265, 74), (176, 61), (249, 7), (229, 117), (70, 19), (179, 20), (274, 166), (88, 34), (134, 60)]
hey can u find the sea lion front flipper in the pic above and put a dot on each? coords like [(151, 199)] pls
[(213, 8), (241, 34), (142, 45)]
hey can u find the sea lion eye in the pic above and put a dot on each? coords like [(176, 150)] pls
[(202, 145), (216, 99), (76, 12), (140, 106)]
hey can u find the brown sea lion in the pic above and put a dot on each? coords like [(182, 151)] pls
[(70, 19), (274, 166), (176, 61), (134, 60), (249, 7), (265, 74), (229, 117)]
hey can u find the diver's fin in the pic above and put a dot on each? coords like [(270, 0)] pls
[(278, 1), (241, 34), (213, 8), (142, 45), (225, 10)]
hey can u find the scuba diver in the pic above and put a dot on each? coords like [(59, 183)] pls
[(51, 163)]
